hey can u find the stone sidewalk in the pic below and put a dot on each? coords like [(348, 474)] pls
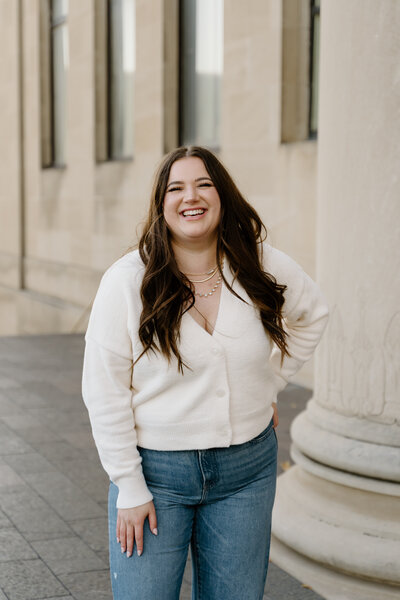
[(53, 491)]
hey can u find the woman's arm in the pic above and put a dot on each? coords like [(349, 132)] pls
[(107, 393), (107, 386), (305, 313)]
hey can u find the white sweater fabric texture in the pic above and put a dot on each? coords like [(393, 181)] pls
[(224, 398)]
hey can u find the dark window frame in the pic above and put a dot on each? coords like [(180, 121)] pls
[(315, 11), (181, 91), (54, 24), (48, 122), (104, 132), (112, 156)]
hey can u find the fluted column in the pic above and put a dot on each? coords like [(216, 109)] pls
[(337, 514)]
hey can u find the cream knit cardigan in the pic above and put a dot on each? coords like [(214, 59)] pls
[(225, 398)]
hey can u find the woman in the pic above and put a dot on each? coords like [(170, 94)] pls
[(189, 340)]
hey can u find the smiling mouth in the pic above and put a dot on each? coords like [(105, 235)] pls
[(193, 212)]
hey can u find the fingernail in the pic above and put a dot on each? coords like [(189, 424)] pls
[(128, 554), (139, 552), (117, 540), (155, 531), (122, 550)]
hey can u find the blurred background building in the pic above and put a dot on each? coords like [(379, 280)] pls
[(94, 92)]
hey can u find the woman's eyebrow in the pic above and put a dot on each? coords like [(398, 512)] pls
[(181, 182)]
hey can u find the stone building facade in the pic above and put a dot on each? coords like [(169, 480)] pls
[(70, 204), (337, 511), (63, 224)]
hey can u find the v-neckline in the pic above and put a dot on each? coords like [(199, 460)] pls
[(218, 312)]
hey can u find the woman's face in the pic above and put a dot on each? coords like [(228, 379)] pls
[(191, 203)]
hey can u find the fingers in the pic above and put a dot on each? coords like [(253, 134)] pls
[(153, 521), (139, 538), (130, 538), (129, 528), (122, 536), (117, 530)]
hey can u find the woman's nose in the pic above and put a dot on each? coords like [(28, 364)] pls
[(191, 194)]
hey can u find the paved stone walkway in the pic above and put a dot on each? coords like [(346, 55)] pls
[(53, 491)]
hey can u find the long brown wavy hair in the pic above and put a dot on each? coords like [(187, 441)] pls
[(167, 294)]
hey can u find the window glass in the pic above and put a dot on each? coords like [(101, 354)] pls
[(201, 71), (59, 9), (315, 16), (59, 74), (122, 66)]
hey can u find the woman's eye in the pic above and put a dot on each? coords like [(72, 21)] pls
[(173, 189), (205, 184)]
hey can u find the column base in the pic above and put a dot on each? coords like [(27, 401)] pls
[(330, 584), (345, 530)]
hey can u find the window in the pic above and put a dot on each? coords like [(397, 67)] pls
[(201, 67), (314, 68), (115, 75), (54, 60), (300, 59)]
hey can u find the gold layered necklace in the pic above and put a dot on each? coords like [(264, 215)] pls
[(208, 275)]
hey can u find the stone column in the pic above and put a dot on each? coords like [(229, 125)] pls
[(336, 519)]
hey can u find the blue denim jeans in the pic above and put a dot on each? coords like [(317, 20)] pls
[(217, 501)]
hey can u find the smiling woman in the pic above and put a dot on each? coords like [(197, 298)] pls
[(192, 207), (190, 338)]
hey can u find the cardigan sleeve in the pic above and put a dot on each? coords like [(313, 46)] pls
[(107, 388), (305, 314)]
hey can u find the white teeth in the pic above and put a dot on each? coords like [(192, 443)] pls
[(193, 212)]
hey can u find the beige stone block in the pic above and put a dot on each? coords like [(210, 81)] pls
[(242, 19), (149, 42), (107, 249), (109, 175), (254, 119), (148, 133), (67, 282), (148, 93), (148, 11), (295, 13), (9, 270), (54, 243), (80, 32), (10, 224), (38, 314), (8, 312)]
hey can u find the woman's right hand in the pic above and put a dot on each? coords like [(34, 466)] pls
[(130, 526)]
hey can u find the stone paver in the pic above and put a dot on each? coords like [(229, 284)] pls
[(5, 522), (283, 586), (94, 585), (68, 555), (14, 547), (29, 579), (10, 443), (93, 531), (67, 499), (53, 491), (8, 477), (24, 464), (31, 515)]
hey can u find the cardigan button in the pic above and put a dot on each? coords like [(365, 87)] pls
[(220, 393)]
